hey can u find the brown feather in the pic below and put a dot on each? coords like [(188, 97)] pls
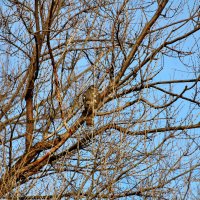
[(89, 121), (91, 101)]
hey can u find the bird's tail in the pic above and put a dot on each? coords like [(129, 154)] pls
[(89, 121)]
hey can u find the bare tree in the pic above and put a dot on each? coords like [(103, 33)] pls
[(143, 59)]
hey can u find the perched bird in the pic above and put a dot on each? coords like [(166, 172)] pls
[(91, 99)]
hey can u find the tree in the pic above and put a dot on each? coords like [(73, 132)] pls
[(143, 56)]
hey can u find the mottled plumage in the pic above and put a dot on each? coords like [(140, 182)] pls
[(90, 100)]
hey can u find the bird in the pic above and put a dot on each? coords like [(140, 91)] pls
[(91, 99)]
